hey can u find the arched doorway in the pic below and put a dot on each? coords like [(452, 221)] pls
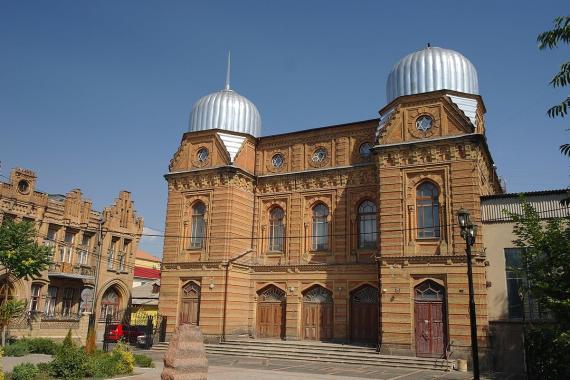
[(430, 319), (190, 304), (364, 315), (271, 313), (317, 322)]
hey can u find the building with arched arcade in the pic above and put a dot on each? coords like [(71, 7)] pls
[(340, 233)]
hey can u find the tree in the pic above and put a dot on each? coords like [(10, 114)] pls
[(21, 258), (545, 247), (550, 39)]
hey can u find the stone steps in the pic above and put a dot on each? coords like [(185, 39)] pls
[(318, 352)]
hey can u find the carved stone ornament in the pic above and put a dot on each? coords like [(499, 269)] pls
[(202, 181), (319, 155)]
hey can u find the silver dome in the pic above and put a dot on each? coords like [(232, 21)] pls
[(431, 69), (227, 110)]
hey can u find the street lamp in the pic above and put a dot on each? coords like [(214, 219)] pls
[(468, 233)]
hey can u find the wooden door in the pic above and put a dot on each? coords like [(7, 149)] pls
[(317, 322), (189, 311), (430, 328), (271, 313), (190, 304), (364, 315), (271, 320)]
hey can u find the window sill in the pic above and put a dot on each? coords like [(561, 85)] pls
[(428, 240), (274, 253)]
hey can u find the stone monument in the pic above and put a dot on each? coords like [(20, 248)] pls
[(185, 358)]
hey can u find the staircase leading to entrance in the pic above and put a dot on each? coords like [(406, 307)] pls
[(310, 351)]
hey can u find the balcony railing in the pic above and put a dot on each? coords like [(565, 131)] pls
[(59, 316), (72, 269)]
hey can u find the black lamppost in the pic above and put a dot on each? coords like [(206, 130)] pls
[(469, 232)]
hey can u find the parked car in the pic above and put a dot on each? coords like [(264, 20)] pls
[(128, 333)]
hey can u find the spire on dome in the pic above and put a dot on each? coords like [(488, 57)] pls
[(228, 70)]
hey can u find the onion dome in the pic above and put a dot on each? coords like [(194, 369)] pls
[(227, 110), (431, 69)]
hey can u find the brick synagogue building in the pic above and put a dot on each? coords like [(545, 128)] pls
[(344, 233)]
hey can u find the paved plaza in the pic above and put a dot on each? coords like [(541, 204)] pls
[(223, 367)]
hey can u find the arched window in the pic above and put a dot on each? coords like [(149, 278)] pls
[(367, 234), (427, 206), (320, 227), (276, 229), (198, 226), (110, 304)]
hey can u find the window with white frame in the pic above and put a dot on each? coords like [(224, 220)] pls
[(198, 231), (320, 241), (67, 302), (35, 297), (367, 234), (51, 299), (276, 229)]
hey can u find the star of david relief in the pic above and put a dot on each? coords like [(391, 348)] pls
[(424, 123)]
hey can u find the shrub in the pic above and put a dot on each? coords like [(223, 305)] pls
[(19, 348), (25, 371), (548, 353), (124, 359), (143, 361), (68, 341), (100, 364), (1, 371), (69, 363), (42, 346)]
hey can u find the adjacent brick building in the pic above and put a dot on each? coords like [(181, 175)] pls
[(93, 256)]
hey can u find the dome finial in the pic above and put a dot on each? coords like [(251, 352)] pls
[(228, 70)]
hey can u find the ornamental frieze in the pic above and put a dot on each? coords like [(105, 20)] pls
[(205, 180), (314, 181), (413, 155)]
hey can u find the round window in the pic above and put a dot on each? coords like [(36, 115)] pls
[(319, 155), (23, 186), (365, 149), (277, 160), (202, 154), (424, 123)]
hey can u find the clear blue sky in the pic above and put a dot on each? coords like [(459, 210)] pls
[(96, 94)]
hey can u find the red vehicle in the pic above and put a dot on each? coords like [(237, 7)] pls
[(124, 332)]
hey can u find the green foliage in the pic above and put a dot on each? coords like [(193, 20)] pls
[(548, 353), (68, 341), (19, 253), (32, 346), (143, 361), (25, 371), (546, 255), (18, 348), (44, 346), (124, 359), (546, 259), (10, 310), (69, 362)]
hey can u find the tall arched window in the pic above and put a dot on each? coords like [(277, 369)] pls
[(110, 304), (320, 227), (276, 229), (367, 235), (427, 206), (198, 225)]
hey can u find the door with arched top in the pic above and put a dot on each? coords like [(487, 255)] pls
[(271, 313), (190, 304), (430, 319), (317, 323), (364, 315)]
